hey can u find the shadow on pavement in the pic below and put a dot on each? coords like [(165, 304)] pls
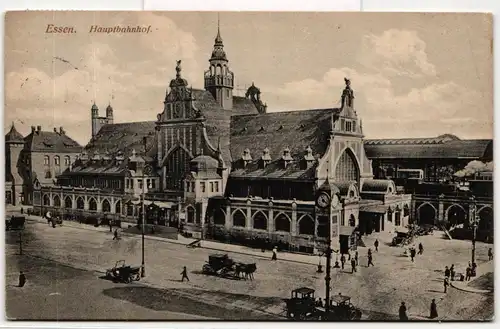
[(175, 300), (484, 282)]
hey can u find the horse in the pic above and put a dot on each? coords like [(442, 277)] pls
[(246, 269)]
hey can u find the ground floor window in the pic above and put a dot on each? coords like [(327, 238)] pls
[(239, 218), (260, 221)]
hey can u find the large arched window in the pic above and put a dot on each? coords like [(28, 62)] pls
[(219, 217), (106, 206), (485, 219), (282, 223), (426, 214), (80, 204), (259, 221), (239, 218), (306, 225), (57, 201), (92, 204), (118, 207), (177, 165), (346, 169), (68, 203), (190, 214), (46, 200)]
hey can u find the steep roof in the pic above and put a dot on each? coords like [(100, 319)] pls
[(124, 137), (295, 129), (51, 142), (394, 149), (13, 135)]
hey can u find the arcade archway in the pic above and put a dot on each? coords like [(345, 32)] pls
[(426, 214)]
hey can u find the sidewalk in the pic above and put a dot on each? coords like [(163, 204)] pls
[(481, 269), (211, 245)]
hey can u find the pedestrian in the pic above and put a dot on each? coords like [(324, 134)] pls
[(490, 254), (467, 273), (115, 235), (342, 260), (370, 260), (447, 272), (275, 253), (22, 279), (110, 226), (434, 312), (446, 284), (29, 212), (402, 312), (184, 274), (22, 210), (452, 272), (369, 251), (420, 248), (53, 223), (412, 254), (376, 245), (320, 302), (353, 265), (356, 257)]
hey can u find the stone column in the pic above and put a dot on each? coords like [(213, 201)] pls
[(293, 224), (249, 225), (270, 220), (229, 219), (441, 209)]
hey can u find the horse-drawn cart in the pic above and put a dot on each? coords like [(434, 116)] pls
[(123, 273), (222, 265)]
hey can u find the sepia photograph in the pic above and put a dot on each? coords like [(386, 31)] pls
[(248, 166)]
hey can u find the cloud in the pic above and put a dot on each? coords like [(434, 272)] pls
[(396, 52), (54, 92)]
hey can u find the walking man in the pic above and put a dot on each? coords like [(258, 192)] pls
[(22, 279), (447, 272), (412, 254), (370, 258), (446, 284), (420, 248), (115, 235), (490, 254), (22, 210), (275, 253), (342, 260), (376, 245), (467, 273), (356, 257), (452, 272), (184, 274), (402, 312), (353, 265), (434, 312)]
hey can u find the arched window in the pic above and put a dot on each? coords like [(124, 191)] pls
[(57, 160), (46, 200), (306, 225), (219, 217), (259, 221), (346, 169), (406, 210), (67, 160), (92, 204), (177, 165), (46, 160), (282, 223), (239, 218), (190, 214), (57, 201), (80, 204), (426, 214), (352, 220), (68, 203), (218, 70), (486, 219), (130, 209), (118, 207), (106, 206)]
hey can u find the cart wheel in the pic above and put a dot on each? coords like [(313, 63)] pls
[(129, 279), (137, 277)]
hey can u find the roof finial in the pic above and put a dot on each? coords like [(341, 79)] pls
[(218, 38)]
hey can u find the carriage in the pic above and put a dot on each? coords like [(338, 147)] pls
[(123, 273), (303, 306), (222, 265)]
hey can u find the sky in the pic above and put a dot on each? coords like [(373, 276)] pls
[(413, 75)]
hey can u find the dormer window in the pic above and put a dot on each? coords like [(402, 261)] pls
[(266, 157), (309, 157), (246, 157), (287, 158)]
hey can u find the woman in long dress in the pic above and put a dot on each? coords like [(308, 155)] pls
[(434, 312)]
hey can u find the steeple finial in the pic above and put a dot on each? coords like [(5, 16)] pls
[(218, 38)]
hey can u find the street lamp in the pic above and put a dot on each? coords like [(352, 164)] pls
[(327, 277), (474, 230), (143, 265)]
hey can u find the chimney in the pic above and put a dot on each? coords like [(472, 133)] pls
[(32, 129), (61, 131), (55, 129), (246, 158), (309, 157), (266, 158), (38, 128), (287, 158)]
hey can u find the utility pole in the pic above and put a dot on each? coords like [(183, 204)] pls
[(143, 265), (327, 277), (474, 227)]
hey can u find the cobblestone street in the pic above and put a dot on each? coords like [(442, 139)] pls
[(378, 290)]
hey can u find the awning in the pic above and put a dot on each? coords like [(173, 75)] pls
[(374, 209), (164, 204), (346, 230), (146, 202)]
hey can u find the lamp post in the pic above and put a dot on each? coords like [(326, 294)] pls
[(474, 230), (143, 265), (328, 277)]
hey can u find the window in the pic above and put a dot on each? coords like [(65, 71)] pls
[(46, 160), (216, 186), (139, 181), (48, 174), (132, 183), (67, 160), (148, 183), (202, 186), (153, 183), (227, 93), (127, 183), (57, 160), (192, 186), (211, 187)]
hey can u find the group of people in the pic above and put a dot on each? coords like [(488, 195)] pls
[(413, 252), (404, 317)]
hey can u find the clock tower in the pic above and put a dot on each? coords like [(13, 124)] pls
[(327, 214)]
